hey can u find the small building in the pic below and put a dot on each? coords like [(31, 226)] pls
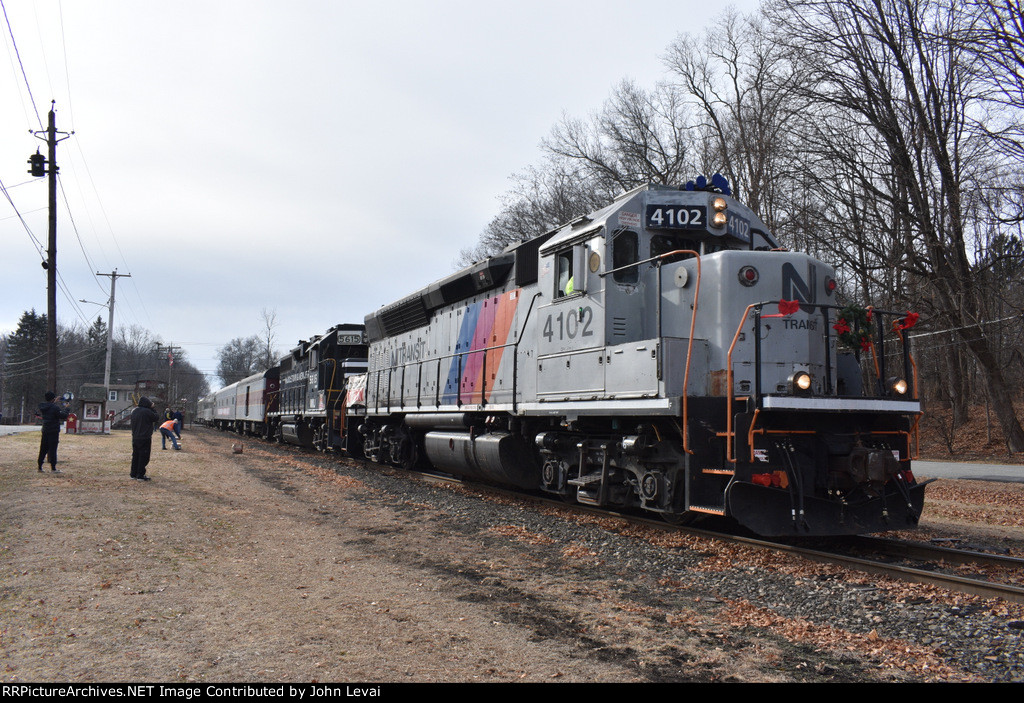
[(99, 410)]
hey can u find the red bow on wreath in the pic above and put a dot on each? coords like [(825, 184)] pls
[(907, 322), (786, 307)]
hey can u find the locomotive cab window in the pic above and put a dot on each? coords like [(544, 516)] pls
[(625, 251), (664, 243), (564, 278), (710, 248), (571, 271)]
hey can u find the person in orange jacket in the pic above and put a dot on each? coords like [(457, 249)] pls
[(167, 431)]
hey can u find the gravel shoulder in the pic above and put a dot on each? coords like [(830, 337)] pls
[(272, 565)]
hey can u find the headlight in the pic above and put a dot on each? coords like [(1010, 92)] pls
[(800, 383), (899, 385)]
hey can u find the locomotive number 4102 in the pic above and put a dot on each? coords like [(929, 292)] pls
[(569, 324), (676, 217)]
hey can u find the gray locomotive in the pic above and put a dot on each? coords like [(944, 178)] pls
[(662, 353)]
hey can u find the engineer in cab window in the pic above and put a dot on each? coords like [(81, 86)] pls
[(565, 286)]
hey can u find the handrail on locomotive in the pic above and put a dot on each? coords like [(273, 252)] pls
[(830, 389)]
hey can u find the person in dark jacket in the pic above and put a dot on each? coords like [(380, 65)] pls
[(52, 415), (143, 420)]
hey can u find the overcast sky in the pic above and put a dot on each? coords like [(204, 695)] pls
[(318, 158)]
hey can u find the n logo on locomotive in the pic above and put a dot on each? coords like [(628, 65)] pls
[(795, 288)]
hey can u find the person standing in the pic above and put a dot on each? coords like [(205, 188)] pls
[(167, 432), (52, 414), (179, 422), (143, 420)]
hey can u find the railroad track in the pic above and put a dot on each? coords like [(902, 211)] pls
[(868, 554), (873, 555)]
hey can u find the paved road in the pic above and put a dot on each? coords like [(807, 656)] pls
[(12, 429), (1013, 473)]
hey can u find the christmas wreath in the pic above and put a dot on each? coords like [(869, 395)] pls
[(853, 328)]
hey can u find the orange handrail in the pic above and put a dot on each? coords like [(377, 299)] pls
[(729, 434)]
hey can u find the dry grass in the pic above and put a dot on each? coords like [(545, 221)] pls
[(225, 568)]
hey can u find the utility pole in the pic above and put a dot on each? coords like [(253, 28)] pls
[(37, 163), (110, 328), (170, 349)]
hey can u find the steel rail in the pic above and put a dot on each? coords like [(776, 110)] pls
[(984, 589), (961, 584)]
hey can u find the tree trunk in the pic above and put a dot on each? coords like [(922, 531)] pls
[(1002, 401)]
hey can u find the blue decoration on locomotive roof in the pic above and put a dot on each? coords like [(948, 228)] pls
[(719, 184)]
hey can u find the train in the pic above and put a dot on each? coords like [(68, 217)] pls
[(663, 354), (303, 400)]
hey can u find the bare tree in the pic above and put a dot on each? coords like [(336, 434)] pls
[(743, 86), (239, 358), (996, 40), (542, 198), (637, 137), (896, 67), (269, 337), (133, 353)]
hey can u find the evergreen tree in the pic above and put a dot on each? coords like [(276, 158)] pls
[(25, 374)]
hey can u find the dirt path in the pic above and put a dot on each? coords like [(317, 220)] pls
[(232, 568)]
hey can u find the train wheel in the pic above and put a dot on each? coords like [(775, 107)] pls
[(404, 452), (354, 445), (410, 456), (320, 438), (680, 519)]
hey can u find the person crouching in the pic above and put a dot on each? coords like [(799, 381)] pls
[(167, 432)]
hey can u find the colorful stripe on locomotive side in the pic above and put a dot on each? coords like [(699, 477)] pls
[(485, 326)]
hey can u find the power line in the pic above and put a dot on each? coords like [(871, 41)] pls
[(78, 235), (22, 65), (965, 327), (54, 276), (38, 244), (110, 229)]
